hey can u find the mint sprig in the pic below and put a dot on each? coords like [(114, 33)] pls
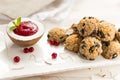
[(16, 24), (18, 21), (12, 28)]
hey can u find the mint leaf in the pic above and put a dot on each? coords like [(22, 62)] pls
[(14, 24), (18, 21), (12, 28)]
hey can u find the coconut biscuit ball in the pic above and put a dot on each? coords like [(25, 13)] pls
[(90, 48), (57, 34), (112, 50), (88, 26), (106, 31), (74, 28), (72, 42), (117, 35)]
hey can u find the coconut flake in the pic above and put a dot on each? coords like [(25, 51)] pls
[(69, 31)]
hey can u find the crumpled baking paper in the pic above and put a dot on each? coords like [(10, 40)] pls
[(56, 11)]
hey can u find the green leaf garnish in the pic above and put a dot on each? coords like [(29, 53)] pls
[(16, 24), (18, 21), (12, 28)]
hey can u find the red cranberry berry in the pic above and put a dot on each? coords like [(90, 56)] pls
[(54, 55), (31, 49), (25, 50), (53, 42), (56, 43), (16, 59)]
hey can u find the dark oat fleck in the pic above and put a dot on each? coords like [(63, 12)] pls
[(106, 43), (83, 44), (91, 59), (96, 44), (67, 35), (48, 35), (108, 34), (84, 17), (78, 36), (114, 55), (93, 33), (119, 30), (91, 17), (82, 37), (91, 49), (82, 31), (101, 21), (115, 39), (61, 37), (83, 55), (101, 34), (83, 24), (75, 29)]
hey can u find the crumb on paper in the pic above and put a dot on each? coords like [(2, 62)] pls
[(48, 63)]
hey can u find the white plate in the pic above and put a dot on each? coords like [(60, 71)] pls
[(39, 62)]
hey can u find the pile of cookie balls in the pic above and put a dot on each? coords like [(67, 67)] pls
[(89, 38)]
